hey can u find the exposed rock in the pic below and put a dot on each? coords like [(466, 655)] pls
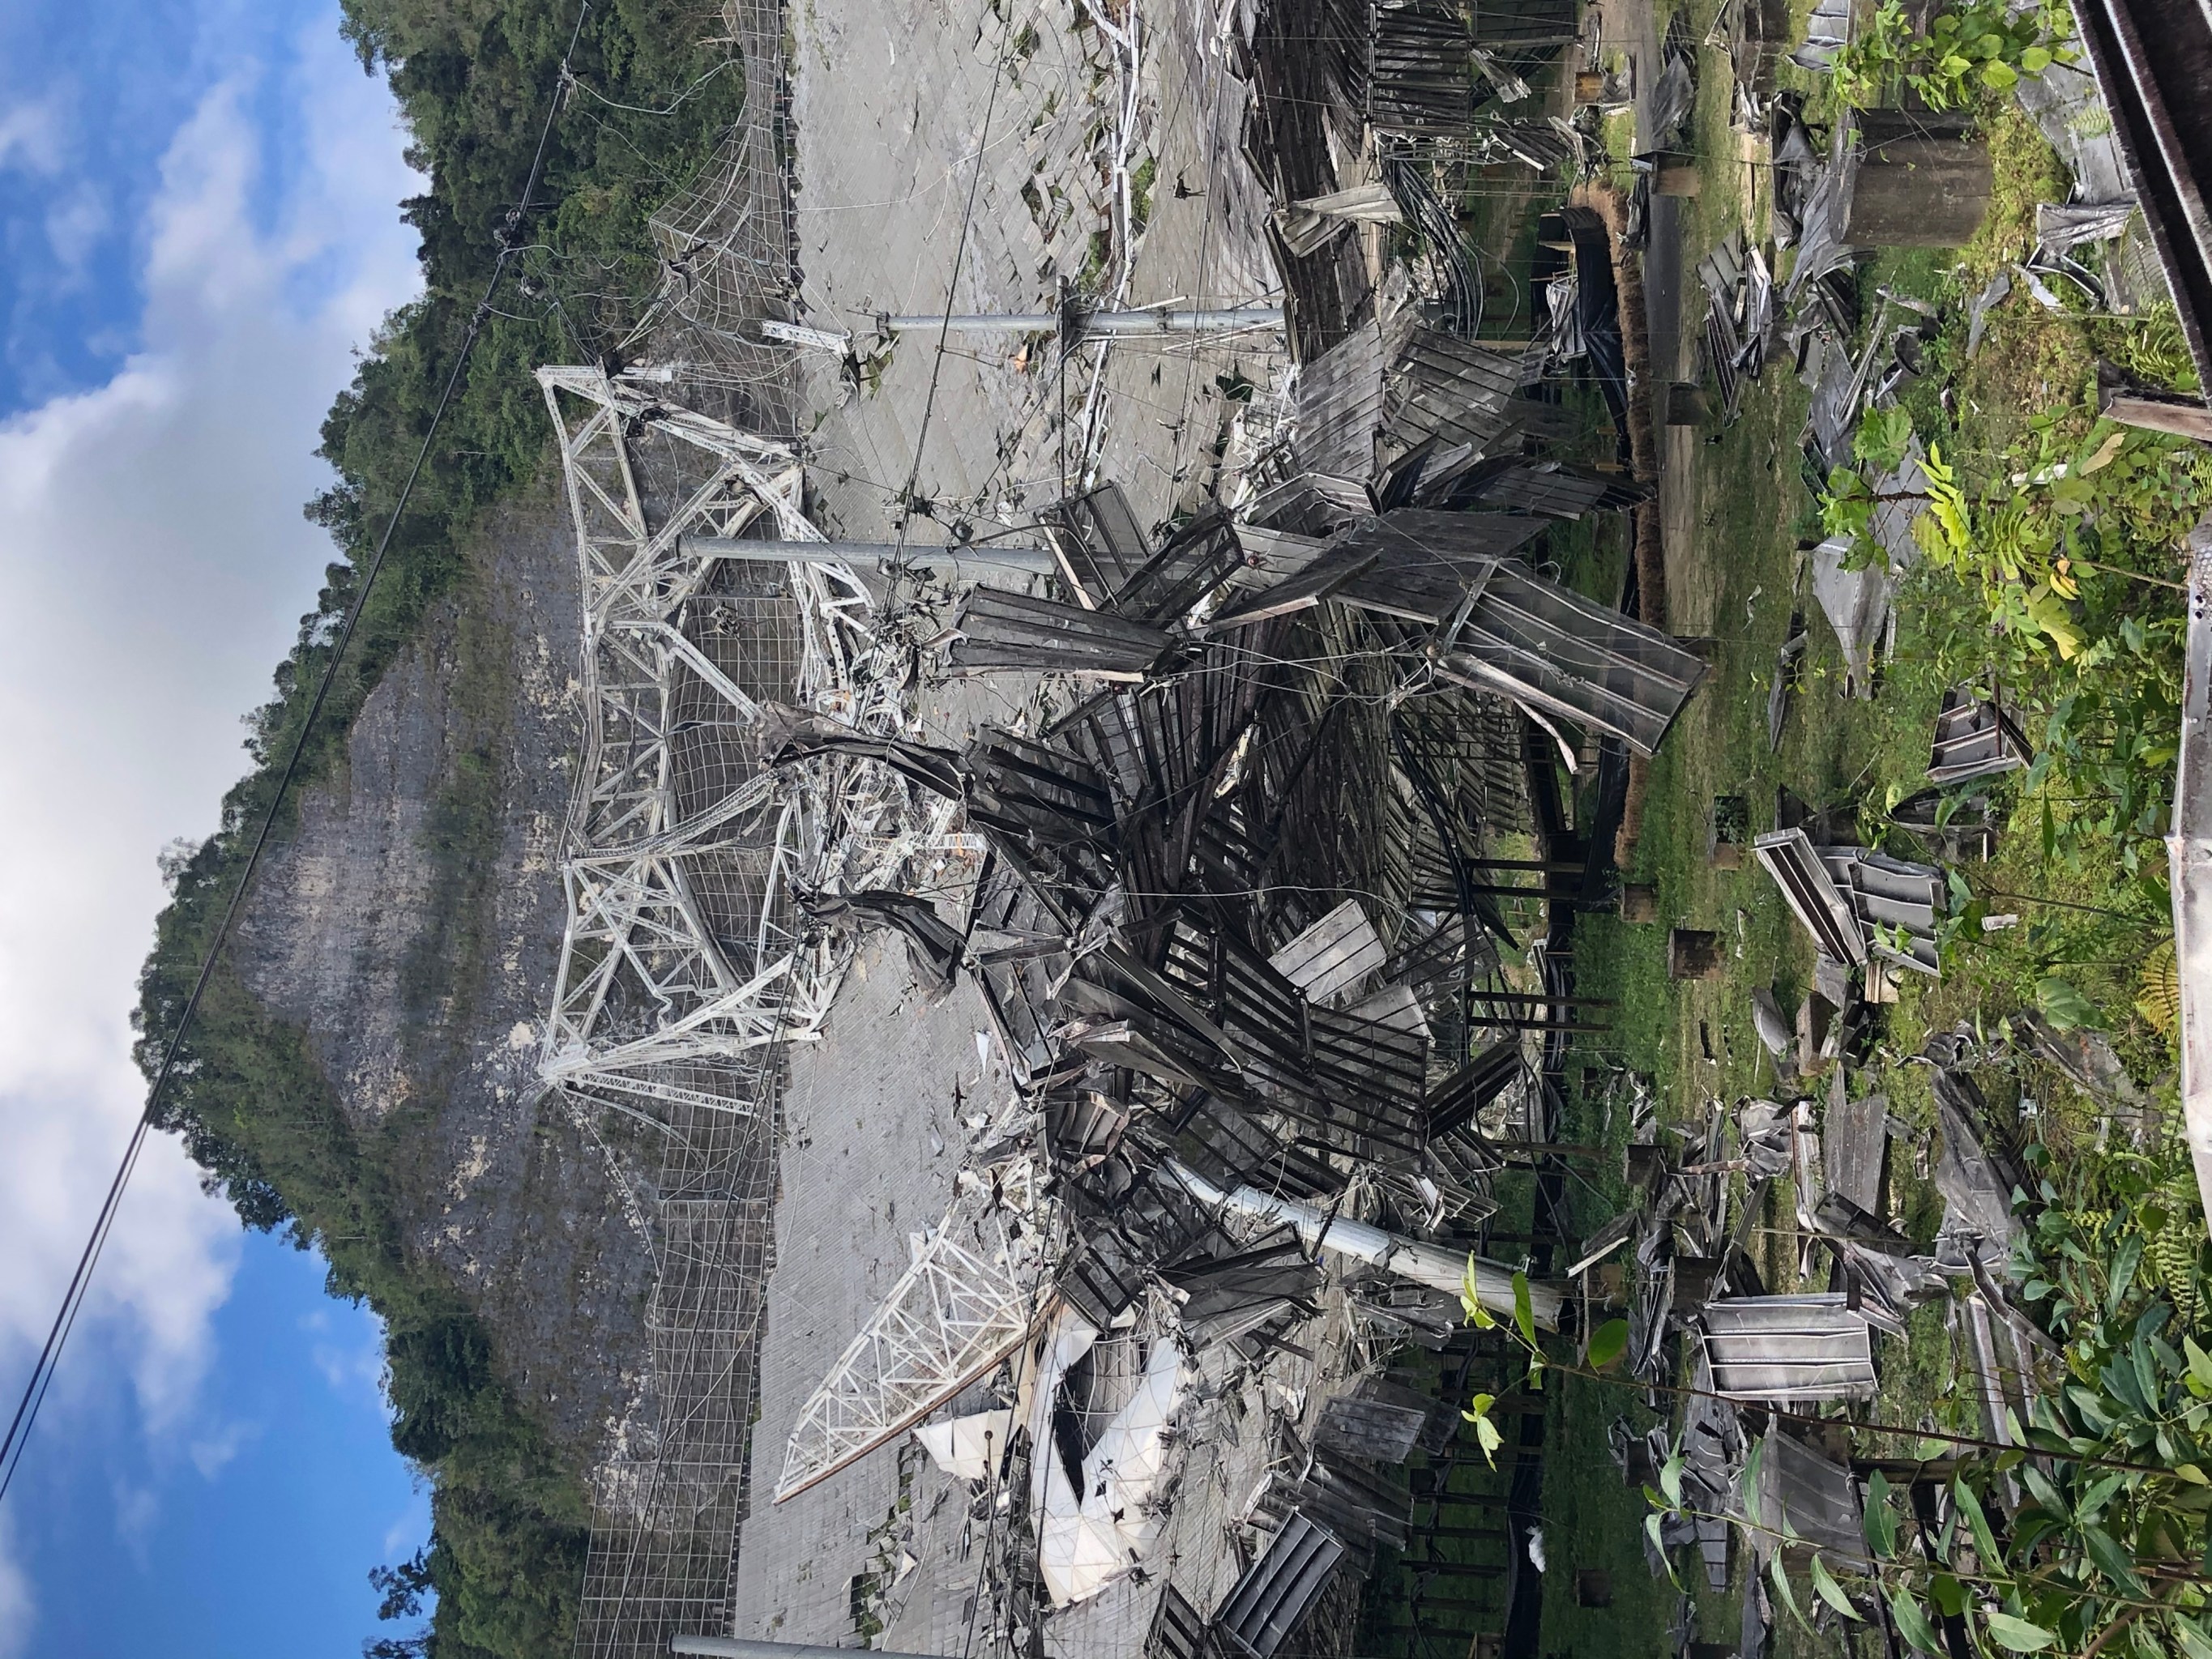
[(410, 925)]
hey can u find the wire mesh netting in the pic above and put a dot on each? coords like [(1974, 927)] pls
[(669, 1500), (727, 255)]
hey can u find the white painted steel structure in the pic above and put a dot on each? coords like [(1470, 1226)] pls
[(647, 980), (975, 1288)]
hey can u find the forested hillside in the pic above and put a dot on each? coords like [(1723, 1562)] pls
[(638, 117)]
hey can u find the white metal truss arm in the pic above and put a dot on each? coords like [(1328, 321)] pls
[(952, 1316)]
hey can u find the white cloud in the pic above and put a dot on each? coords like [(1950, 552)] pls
[(75, 224), (153, 567), (212, 1453), (30, 135), (355, 1374), (405, 1535), (18, 1607)]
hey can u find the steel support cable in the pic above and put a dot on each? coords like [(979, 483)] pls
[(1022, 1361), (952, 286), (42, 1373)]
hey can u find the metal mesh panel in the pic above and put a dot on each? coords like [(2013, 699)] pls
[(669, 1502), (670, 1499), (727, 256)]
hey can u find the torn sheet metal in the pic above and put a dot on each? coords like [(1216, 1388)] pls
[(1856, 601), (1977, 1188), (1096, 1524), (1855, 1146), (1553, 651), (1005, 632), (1551, 490), (2067, 108), (1788, 1348), (1811, 892), (1266, 1607), (1810, 1496), (1897, 903), (969, 1448), (1379, 1430), (1334, 955), (2060, 228), (1097, 541), (1339, 407), (1975, 737), (1828, 31)]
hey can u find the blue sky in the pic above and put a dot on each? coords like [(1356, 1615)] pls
[(249, 1530), (198, 227)]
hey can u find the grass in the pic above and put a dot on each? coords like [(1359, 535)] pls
[(1739, 579)]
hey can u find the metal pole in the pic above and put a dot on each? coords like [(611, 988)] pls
[(1183, 322), (2188, 854), (1115, 323), (742, 1647), (1034, 322), (1033, 561), (1425, 1264)]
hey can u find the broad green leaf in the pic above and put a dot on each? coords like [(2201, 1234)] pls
[(2018, 1634), (1911, 1623), (1523, 1314), (1948, 1595), (2195, 1643), (1470, 1298), (2123, 1274), (1608, 1343), (1670, 1479), (2091, 1407), (2094, 1501), (2120, 1380), (2115, 1563), (2191, 1473), (1825, 1585), (1487, 1437), (1985, 1542), (1659, 1549), (1780, 1579), (2039, 1487), (1748, 1486), (1880, 1522), (2034, 60), (2062, 1004)]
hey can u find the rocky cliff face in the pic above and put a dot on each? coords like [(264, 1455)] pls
[(411, 926)]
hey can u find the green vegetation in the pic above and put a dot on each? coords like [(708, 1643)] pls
[(256, 1112), (2047, 576), (1951, 60), (647, 108)]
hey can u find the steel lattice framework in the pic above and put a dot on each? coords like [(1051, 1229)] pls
[(970, 1296), (679, 946), (687, 964)]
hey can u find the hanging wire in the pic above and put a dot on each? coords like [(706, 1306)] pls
[(42, 1372)]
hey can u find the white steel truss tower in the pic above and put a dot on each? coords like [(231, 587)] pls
[(680, 863)]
